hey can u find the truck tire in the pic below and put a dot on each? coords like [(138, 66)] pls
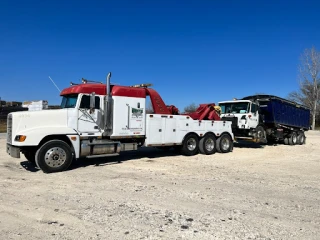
[(54, 156), (286, 141), (30, 156), (293, 138), (224, 144), (207, 144), (301, 138), (261, 135), (190, 145)]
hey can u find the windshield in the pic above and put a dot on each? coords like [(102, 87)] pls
[(239, 107), (69, 101)]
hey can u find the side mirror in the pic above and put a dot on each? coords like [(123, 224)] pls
[(92, 102)]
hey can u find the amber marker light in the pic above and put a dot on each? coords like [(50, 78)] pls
[(20, 138)]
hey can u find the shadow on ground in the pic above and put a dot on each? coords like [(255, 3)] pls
[(245, 144), (31, 167), (150, 153)]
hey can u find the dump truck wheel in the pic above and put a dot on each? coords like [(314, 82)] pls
[(207, 144), (286, 141), (301, 138), (224, 143), (293, 138), (30, 156), (261, 135), (54, 156), (190, 145)]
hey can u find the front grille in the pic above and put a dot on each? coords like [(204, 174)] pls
[(9, 128), (234, 121)]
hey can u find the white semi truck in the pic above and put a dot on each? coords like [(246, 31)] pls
[(100, 120)]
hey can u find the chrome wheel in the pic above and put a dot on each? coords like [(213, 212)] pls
[(209, 144), (294, 139), (191, 144), (225, 144), (55, 157)]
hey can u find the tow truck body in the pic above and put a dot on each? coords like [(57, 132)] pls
[(100, 120)]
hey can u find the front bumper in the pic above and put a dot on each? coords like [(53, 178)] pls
[(13, 151)]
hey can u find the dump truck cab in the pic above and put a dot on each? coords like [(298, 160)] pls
[(244, 114)]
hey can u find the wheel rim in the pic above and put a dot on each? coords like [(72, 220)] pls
[(294, 138), (209, 145), (55, 157), (225, 144), (260, 134), (191, 144)]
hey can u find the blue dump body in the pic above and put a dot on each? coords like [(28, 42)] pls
[(281, 111)]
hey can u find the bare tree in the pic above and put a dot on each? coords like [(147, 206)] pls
[(190, 108), (309, 71)]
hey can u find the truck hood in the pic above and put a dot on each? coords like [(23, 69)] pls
[(36, 124), (35, 119)]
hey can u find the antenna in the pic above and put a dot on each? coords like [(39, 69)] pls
[(54, 84)]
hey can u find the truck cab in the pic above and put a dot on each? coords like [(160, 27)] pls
[(245, 117)]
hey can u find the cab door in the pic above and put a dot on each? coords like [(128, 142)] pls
[(89, 121), (253, 117)]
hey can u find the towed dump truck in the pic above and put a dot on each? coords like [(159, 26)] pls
[(267, 118), (101, 120)]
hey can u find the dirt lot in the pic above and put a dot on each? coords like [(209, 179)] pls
[(252, 193)]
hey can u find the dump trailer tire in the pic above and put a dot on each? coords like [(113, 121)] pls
[(286, 141), (293, 139), (207, 144), (190, 145), (30, 156), (54, 156), (301, 138), (224, 144)]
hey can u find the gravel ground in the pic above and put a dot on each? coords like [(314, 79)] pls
[(269, 192)]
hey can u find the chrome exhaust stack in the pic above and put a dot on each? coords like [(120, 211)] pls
[(108, 103)]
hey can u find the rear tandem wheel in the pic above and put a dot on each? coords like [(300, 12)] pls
[(190, 145), (224, 143), (207, 144)]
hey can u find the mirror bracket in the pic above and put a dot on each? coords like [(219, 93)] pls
[(92, 102)]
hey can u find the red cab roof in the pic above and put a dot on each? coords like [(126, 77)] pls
[(100, 89)]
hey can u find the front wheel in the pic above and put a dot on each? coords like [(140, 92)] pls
[(224, 143), (54, 156), (190, 145), (261, 135)]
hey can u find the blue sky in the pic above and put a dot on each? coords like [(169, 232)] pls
[(192, 51)]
